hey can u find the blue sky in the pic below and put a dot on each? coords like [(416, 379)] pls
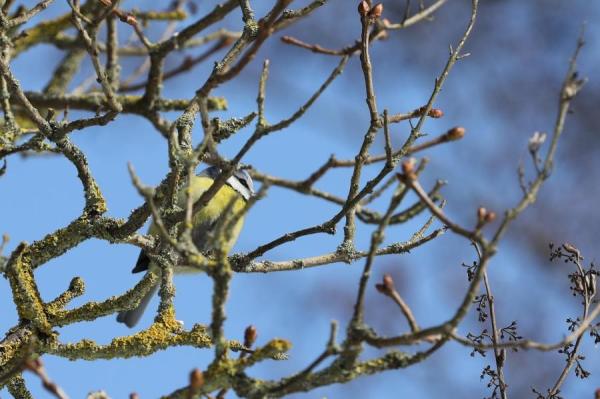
[(41, 194)]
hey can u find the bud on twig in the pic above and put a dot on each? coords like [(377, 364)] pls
[(536, 141), (490, 217), (481, 214), (387, 285), (363, 8), (435, 113), (134, 395), (376, 11), (408, 169), (250, 336), (456, 133), (432, 113), (129, 19), (484, 216), (196, 379)]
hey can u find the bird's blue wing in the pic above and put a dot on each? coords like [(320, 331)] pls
[(142, 263), (200, 234)]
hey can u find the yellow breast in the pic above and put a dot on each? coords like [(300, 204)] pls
[(225, 198)]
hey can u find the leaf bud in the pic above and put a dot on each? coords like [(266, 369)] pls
[(456, 133), (435, 113), (376, 11), (363, 8), (196, 379), (408, 168), (388, 283), (481, 215), (250, 336), (490, 217)]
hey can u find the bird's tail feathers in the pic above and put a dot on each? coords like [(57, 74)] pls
[(131, 317)]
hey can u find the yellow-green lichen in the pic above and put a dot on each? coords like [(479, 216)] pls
[(42, 32), (93, 310), (16, 387), (18, 345), (76, 289), (95, 199), (174, 15), (58, 242), (217, 104), (157, 337), (274, 349), (24, 289)]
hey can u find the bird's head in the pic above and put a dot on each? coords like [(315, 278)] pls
[(240, 180)]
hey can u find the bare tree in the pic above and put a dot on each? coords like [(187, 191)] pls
[(33, 126)]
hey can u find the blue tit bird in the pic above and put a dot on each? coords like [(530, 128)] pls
[(231, 196)]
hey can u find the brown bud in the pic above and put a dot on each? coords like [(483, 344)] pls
[(481, 215), (456, 133), (196, 379), (388, 282), (387, 285), (363, 8), (250, 336), (490, 217), (597, 394), (408, 168), (134, 395), (130, 19), (435, 113), (376, 11)]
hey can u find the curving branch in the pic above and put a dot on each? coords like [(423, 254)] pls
[(90, 32)]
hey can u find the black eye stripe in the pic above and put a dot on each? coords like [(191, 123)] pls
[(244, 183)]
